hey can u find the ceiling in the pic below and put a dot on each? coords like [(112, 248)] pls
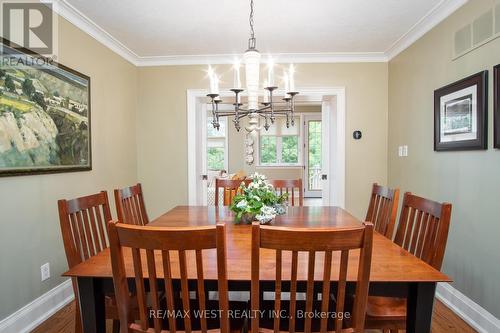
[(159, 30)]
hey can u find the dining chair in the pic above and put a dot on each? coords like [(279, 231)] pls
[(334, 247), (163, 250), (84, 231), (383, 209), (291, 187), (231, 188), (423, 231), (130, 205)]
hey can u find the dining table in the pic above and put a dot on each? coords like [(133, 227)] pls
[(394, 271)]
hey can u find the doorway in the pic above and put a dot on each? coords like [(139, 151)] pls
[(332, 182)]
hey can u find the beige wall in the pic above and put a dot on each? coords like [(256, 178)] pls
[(469, 180), (162, 128), (30, 234)]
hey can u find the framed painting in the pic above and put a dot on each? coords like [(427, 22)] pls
[(460, 114), (496, 103), (44, 115)]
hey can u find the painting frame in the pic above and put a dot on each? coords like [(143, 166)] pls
[(496, 106), (461, 114), (53, 169)]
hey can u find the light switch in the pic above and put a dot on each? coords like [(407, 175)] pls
[(405, 150)]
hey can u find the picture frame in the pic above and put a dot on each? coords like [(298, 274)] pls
[(45, 115), (461, 114), (496, 108)]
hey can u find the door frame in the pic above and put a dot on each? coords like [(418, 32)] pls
[(312, 116), (333, 115)]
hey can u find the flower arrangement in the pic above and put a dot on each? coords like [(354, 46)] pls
[(258, 201)]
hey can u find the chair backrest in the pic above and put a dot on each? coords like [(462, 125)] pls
[(382, 209), (159, 243), (130, 205), (290, 186), (231, 189), (423, 228), (312, 241), (84, 226)]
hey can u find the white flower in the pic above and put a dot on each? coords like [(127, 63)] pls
[(266, 214), (256, 197), (242, 204)]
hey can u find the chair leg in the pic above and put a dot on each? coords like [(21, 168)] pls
[(116, 326), (78, 320)]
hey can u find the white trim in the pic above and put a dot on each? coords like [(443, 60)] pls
[(472, 313), (39, 310), (77, 18), (216, 59), (435, 16)]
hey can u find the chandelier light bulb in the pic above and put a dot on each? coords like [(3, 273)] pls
[(291, 74), (270, 72), (237, 78)]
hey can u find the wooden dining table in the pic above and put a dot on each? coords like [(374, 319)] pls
[(394, 271)]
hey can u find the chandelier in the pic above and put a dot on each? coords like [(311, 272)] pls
[(268, 109)]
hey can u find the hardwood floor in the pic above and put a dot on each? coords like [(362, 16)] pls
[(443, 321)]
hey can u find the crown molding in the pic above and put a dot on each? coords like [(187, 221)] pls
[(77, 18), (435, 16), (216, 59)]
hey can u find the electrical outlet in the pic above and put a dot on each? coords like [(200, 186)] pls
[(45, 271), (400, 151)]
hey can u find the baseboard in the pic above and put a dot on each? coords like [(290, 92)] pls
[(471, 312), (33, 314)]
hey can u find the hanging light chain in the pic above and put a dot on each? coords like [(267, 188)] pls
[(251, 40)]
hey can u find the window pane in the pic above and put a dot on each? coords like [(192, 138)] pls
[(314, 157), (279, 127), (216, 143), (290, 149), (292, 130), (314, 142), (215, 158), (268, 149), (212, 132)]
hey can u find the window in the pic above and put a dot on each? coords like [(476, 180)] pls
[(280, 146), (216, 145)]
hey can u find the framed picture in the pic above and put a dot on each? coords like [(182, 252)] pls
[(460, 114), (496, 103), (44, 115)]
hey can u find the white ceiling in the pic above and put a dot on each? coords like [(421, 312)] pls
[(171, 29)]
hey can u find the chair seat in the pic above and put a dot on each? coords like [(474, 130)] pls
[(386, 308), (385, 313)]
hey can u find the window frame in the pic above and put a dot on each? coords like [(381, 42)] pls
[(279, 149)]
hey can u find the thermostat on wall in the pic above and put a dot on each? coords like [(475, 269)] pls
[(357, 135)]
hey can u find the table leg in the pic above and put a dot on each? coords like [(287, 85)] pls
[(419, 307), (91, 305)]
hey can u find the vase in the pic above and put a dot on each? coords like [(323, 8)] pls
[(247, 218)]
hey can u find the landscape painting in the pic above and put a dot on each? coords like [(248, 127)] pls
[(44, 116), (458, 116)]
